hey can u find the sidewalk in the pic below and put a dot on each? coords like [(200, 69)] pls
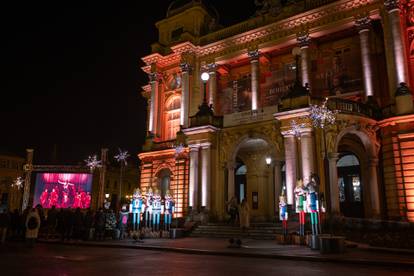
[(260, 249)]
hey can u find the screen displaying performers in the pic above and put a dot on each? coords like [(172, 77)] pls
[(63, 190)]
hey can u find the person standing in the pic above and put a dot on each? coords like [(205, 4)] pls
[(32, 226), (244, 213), (4, 225), (51, 222)]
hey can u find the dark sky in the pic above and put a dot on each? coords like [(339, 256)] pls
[(71, 74)]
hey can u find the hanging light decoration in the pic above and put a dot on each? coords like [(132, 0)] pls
[(322, 115), (296, 128), (18, 182), (92, 162), (122, 157)]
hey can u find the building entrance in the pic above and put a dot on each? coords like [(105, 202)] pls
[(350, 186), (241, 181)]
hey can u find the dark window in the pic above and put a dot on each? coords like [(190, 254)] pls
[(175, 35)]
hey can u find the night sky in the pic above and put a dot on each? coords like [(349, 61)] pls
[(71, 74)]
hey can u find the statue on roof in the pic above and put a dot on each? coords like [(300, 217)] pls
[(272, 7)]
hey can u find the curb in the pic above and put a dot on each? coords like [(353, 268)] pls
[(321, 258)]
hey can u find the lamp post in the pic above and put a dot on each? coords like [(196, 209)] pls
[(121, 157), (205, 77), (321, 116)]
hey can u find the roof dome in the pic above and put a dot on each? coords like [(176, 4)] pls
[(178, 6)]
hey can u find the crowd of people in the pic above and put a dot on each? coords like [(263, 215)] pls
[(63, 224)]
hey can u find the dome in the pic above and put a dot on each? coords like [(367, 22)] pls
[(179, 6)]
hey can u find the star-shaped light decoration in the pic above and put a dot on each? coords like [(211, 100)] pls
[(92, 162), (296, 128), (18, 182), (179, 149), (322, 115), (122, 157)]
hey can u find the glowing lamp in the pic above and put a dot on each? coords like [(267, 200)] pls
[(268, 160), (205, 76), (106, 195)]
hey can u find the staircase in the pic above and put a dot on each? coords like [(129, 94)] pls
[(259, 231)]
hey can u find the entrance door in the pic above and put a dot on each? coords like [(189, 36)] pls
[(350, 186), (241, 183)]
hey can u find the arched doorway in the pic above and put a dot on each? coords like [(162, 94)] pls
[(350, 185), (240, 181), (250, 177)]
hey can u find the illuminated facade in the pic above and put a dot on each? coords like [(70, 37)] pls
[(11, 167), (264, 73)]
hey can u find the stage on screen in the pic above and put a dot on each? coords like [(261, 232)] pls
[(63, 190)]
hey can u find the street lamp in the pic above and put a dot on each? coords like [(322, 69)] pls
[(122, 159), (268, 160), (321, 116), (205, 77)]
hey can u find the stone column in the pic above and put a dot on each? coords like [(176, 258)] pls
[(193, 185), (230, 180), (254, 61), (306, 145), (185, 92), (278, 182), (154, 103), (373, 187), (290, 159), (400, 61), (333, 182), (205, 175), (364, 26), (212, 84), (303, 42)]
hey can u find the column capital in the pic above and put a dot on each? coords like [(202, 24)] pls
[(185, 67), (254, 55), (392, 5), (333, 156), (363, 23), (205, 145), (373, 162), (303, 39), (153, 77), (211, 68), (194, 147), (231, 165)]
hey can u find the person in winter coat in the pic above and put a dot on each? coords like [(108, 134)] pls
[(244, 215), (32, 226)]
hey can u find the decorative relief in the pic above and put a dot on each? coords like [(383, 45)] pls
[(392, 4), (303, 39)]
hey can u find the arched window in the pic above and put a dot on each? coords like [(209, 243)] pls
[(172, 117), (164, 179)]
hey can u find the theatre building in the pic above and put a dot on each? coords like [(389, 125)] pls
[(247, 128)]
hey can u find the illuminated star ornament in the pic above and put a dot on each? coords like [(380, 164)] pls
[(92, 162), (122, 157), (321, 115), (296, 128), (18, 183)]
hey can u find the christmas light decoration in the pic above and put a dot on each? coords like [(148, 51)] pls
[(18, 182), (322, 115), (296, 128), (122, 157), (92, 162)]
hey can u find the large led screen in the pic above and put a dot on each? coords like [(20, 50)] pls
[(63, 190)]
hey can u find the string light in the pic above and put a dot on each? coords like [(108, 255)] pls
[(296, 128)]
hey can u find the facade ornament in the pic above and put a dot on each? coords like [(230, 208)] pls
[(391, 5), (254, 55), (211, 67), (363, 23), (153, 76), (185, 67), (303, 39)]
